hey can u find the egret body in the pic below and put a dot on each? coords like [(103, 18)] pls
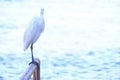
[(33, 32)]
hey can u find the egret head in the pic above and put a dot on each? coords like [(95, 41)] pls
[(42, 10)]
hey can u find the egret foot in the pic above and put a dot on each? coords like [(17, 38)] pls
[(34, 62)]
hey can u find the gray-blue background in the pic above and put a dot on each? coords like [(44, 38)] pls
[(80, 42)]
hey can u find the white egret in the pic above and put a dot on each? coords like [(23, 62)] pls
[(32, 33)]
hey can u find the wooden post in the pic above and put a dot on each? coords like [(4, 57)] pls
[(33, 69), (36, 75)]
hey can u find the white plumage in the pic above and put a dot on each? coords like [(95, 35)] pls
[(34, 30)]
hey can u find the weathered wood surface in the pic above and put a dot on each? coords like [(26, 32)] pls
[(32, 69)]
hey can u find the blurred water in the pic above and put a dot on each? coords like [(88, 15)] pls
[(81, 40)]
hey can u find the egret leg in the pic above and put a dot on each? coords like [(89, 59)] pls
[(32, 52), (33, 61)]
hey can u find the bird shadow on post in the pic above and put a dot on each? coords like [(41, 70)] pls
[(32, 69)]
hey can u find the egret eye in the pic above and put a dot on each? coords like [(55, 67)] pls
[(42, 10)]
